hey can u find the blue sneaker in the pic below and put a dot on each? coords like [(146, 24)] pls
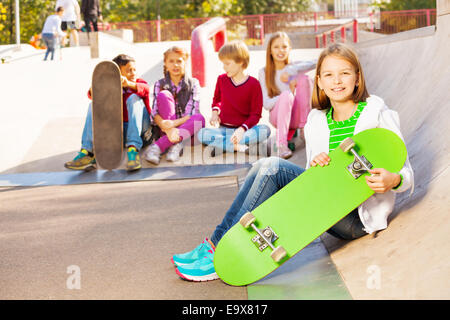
[(201, 270), (191, 256)]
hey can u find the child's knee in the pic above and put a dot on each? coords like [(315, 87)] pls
[(164, 94), (200, 134), (303, 83), (264, 131), (267, 166), (132, 99), (198, 118), (286, 99)]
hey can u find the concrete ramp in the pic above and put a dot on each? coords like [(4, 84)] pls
[(409, 260)]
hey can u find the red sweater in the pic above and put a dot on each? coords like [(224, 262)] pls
[(238, 105), (143, 91)]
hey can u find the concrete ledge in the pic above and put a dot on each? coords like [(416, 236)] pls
[(401, 36), (103, 176), (443, 7)]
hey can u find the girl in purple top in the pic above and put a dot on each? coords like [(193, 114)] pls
[(176, 108)]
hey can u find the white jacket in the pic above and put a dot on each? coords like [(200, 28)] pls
[(375, 210)]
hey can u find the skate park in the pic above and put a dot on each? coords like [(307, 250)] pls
[(121, 229)]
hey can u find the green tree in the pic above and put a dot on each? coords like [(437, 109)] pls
[(272, 6), (34, 12), (32, 17), (394, 5)]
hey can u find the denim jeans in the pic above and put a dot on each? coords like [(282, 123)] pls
[(138, 123), (348, 228), (220, 137), (265, 178), (50, 42)]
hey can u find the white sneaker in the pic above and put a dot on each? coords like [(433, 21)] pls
[(174, 152), (153, 154)]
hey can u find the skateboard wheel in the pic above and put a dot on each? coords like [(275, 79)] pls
[(247, 220), (278, 254), (347, 144)]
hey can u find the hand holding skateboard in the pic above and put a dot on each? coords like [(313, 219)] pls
[(380, 180)]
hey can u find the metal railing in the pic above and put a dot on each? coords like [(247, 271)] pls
[(252, 28), (338, 34)]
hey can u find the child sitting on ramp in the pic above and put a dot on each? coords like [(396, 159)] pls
[(236, 106), (340, 101), (176, 108), (136, 119)]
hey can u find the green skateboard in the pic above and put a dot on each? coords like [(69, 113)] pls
[(107, 115), (307, 207)]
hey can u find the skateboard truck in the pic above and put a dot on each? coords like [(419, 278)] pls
[(260, 242), (265, 237), (360, 165)]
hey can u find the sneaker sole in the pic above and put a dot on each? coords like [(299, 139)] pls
[(177, 158), (152, 162), (88, 167), (209, 277), (129, 169), (176, 264)]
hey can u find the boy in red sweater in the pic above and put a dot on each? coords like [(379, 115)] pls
[(237, 105), (136, 119)]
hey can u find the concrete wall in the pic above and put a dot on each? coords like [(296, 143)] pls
[(409, 260)]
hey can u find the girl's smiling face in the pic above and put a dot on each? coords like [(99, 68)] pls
[(338, 78), (175, 64), (280, 49)]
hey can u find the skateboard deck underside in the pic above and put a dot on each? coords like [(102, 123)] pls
[(107, 115), (306, 208)]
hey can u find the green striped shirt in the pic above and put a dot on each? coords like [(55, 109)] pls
[(339, 130)]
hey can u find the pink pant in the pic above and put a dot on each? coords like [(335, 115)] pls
[(166, 110), (291, 112)]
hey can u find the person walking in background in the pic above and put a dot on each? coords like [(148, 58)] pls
[(51, 32), (91, 13), (286, 91), (71, 18)]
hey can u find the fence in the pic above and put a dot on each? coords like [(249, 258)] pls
[(338, 34), (252, 28), (397, 21)]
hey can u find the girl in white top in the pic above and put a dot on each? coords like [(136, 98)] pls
[(286, 90), (339, 87)]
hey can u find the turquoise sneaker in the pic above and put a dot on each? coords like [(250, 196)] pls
[(83, 161), (134, 161), (201, 270), (191, 256)]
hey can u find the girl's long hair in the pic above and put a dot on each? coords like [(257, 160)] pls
[(181, 51), (270, 71), (319, 99)]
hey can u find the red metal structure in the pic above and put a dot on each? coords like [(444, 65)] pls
[(353, 26), (215, 29), (252, 28)]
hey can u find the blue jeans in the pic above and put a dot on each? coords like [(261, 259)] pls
[(265, 178), (138, 123), (50, 42), (220, 137)]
